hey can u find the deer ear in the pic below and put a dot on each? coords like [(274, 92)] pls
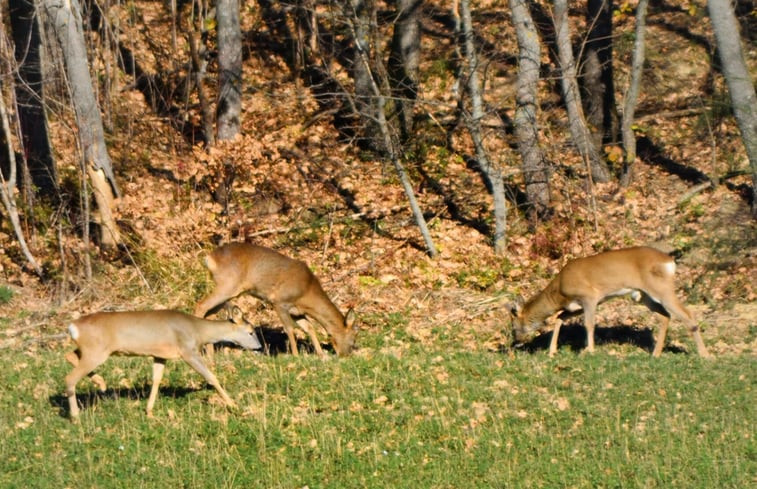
[(236, 316), (350, 319), (516, 306)]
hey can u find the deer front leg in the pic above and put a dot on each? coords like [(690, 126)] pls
[(194, 360), (158, 367)]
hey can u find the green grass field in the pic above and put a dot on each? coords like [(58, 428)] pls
[(399, 416)]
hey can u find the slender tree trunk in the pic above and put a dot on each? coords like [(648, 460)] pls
[(535, 168), (7, 190), (229, 69), (578, 129), (632, 95), (404, 60), (229, 104), (740, 83), (67, 23), (38, 153), (361, 15), (493, 172), (199, 66), (388, 140), (597, 74)]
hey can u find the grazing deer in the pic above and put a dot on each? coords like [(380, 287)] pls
[(644, 273), (162, 335), (287, 284)]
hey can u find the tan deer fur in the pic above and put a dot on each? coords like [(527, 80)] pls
[(162, 335), (287, 284), (645, 273)]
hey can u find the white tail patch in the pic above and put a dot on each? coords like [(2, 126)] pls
[(669, 267), (73, 331)]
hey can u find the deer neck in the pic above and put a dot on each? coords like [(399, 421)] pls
[(544, 304)]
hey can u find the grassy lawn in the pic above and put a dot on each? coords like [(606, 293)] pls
[(398, 416)]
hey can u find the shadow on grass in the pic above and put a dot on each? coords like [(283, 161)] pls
[(90, 396), (275, 342), (574, 337)]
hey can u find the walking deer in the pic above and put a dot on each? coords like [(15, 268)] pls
[(644, 273), (287, 284), (162, 335)]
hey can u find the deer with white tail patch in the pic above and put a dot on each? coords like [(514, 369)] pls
[(646, 274), (162, 335), (287, 284)]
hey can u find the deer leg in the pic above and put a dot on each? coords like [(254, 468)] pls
[(195, 361), (553, 341), (85, 365), (673, 305), (289, 327), (657, 307), (660, 341), (158, 366), (590, 309), (308, 328)]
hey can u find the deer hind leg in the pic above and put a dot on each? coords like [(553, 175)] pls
[(289, 326), (308, 328), (675, 307), (84, 366), (655, 306), (553, 341), (220, 295), (664, 293), (158, 366), (590, 310)]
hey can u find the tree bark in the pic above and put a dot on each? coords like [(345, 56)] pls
[(7, 187), (632, 95), (535, 168), (493, 172), (597, 75), (740, 84), (229, 69), (30, 109), (388, 141), (361, 15), (579, 130), (67, 24), (404, 60)]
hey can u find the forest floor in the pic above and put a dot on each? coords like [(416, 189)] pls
[(305, 192)]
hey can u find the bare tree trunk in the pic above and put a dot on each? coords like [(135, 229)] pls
[(597, 75), (229, 105), (740, 84), (632, 95), (6, 190), (535, 168), (579, 130), (38, 153), (388, 140), (67, 23), (404, 60), (229, 69), (492, 172), (361, 14), (198, 71)]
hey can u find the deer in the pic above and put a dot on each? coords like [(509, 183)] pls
[(287, 284), (644, 273), (161, 334)]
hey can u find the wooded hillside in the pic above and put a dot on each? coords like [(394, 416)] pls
[(316, 133)]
